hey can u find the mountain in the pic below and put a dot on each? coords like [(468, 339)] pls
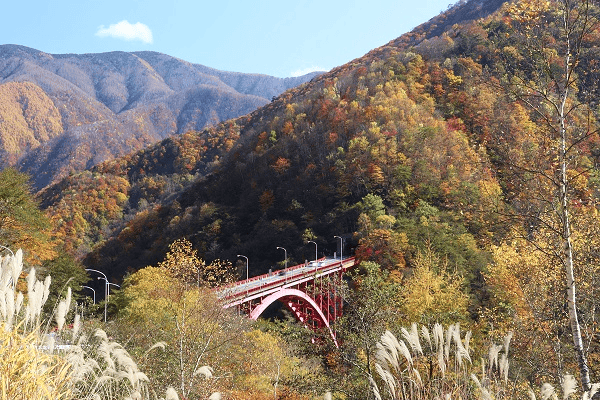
[(406, 122), (457, 160), (61, 113)]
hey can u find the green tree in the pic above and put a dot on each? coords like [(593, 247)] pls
[(372, 205), (370, 310), (22, 223), (65, 272), (157, 307)]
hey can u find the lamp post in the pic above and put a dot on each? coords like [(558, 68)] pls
[(105, 288), (341, 246), (247, 276), (108, 295), (285, 251), (92, 289), (315, 243)]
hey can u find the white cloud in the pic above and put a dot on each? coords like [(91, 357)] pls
[(305, 71), (125, 30)]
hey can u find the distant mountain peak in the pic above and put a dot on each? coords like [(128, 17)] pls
[(113, 103)]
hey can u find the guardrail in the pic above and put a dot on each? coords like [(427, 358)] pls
[(287, 276)]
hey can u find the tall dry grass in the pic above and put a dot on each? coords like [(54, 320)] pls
[(438, 364), (43, 359), (28, 373), (423, 364)]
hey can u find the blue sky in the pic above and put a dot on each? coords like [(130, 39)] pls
[(275, 37)]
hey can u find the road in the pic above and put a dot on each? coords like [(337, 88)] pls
[(290, 276)]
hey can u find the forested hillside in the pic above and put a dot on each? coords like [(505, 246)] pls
[(63, 113), (451, 159)]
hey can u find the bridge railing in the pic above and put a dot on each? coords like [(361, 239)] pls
[(264, 276), (229, 294)]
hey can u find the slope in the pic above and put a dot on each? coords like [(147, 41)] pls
[(398, 123), (111, 104)]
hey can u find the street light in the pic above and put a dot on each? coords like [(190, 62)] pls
[(315, 243), (239, 255), (341, 246), (92, 289), (108, 294), (105, 288), (285, 255)]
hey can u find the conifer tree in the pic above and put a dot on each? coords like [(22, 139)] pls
[(22, 223)]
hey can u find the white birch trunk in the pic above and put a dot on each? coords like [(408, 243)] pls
[(567, 250)]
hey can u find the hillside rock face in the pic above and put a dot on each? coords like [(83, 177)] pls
[(67, 112)]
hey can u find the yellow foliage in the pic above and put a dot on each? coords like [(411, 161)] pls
[(527, 286), (192, 323), (261, 361), (432, 293), (27, 373), (30, 118), (528, 12), (453, 80), (523, 277), (150, 293)]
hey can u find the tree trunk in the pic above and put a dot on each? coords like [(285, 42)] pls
[(567, 244)]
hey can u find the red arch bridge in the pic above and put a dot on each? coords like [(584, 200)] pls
[(308, 290)]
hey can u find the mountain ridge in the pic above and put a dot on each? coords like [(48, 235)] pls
[(300, 163), (111, 104)]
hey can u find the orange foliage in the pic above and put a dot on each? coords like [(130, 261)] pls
[(281, 165)]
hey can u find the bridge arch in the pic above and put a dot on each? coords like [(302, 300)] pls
[(292, 293)]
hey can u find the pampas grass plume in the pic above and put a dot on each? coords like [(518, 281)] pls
[(19, 303), (30, 280), (134, 396), (374, 388), (507, 340), (46, 291), (425, 334), (61, 313), (387, 350), (205, 371), (16, 266), (504, 364), (76, 326), (591, 393), (449, 337), (412, 338), (493, 352), (485, 394), (547, 392), (569, 386), (171, 394), (461, 351)]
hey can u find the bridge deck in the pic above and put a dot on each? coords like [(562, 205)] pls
[(242, 291)]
